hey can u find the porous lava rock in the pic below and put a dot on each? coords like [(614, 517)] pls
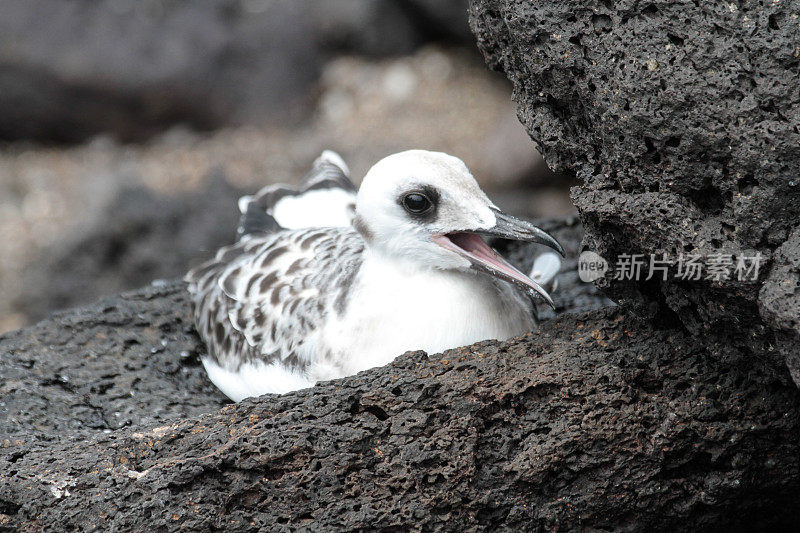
[(597, 419), (682, 119), (593, 421)]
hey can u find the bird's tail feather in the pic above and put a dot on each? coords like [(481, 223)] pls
[(329, 172)]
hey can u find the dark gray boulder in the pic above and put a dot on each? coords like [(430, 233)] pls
[(595, 421), (138, 237), (70, 70), (682, 119), (126, 361)]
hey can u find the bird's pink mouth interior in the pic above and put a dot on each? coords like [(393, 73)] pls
[(474, 248)]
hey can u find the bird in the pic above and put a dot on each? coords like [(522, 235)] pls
[(327, 280)]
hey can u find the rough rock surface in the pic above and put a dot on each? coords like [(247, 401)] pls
[(682, 119), (125, 361), (594, 421), (69, 70), (779, 301)]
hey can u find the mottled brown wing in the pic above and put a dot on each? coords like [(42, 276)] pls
[(267, 296)]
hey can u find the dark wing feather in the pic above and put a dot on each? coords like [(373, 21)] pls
[(255, 220)]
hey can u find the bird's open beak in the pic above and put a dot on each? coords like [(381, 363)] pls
[(470, 245)]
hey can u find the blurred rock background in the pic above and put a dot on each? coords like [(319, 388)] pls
[(128, 128)]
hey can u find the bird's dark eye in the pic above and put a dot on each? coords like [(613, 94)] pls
[(416, 203)]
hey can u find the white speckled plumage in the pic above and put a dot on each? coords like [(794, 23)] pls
[(284, 308)]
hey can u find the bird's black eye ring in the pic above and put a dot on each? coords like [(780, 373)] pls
[(417, 203)]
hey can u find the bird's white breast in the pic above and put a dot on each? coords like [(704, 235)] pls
[(394, 307)]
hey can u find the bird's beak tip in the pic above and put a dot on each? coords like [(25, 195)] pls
[(513, 228)]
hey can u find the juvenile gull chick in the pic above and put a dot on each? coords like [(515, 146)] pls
[(285, 308)]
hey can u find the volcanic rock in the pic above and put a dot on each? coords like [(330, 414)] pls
[(682, 120)]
